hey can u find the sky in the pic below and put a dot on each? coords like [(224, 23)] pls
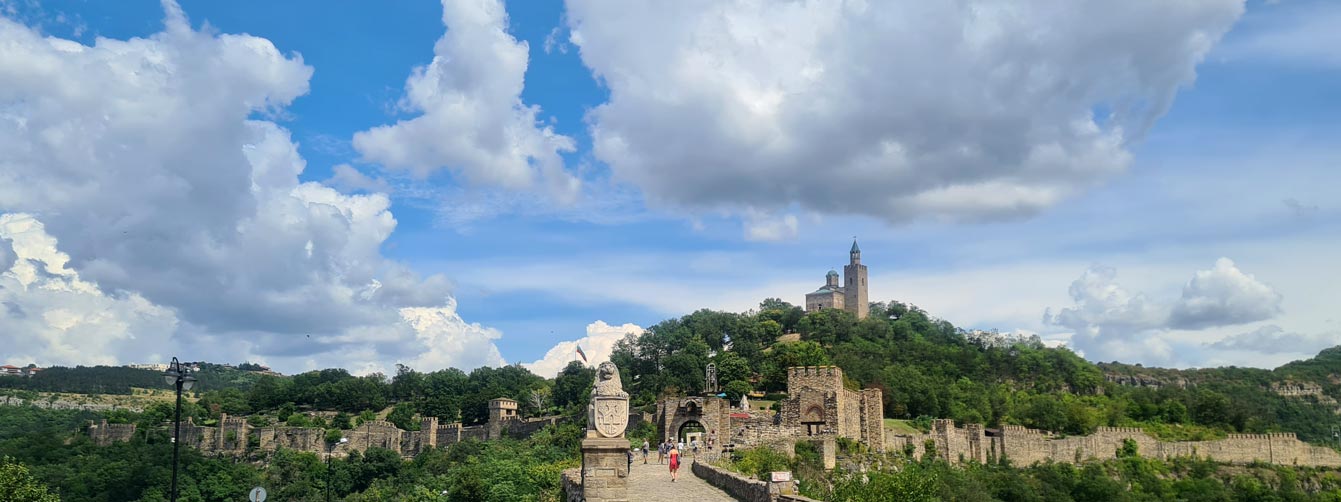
[(463, 183)]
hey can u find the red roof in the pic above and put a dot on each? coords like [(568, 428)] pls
[(8, 367)]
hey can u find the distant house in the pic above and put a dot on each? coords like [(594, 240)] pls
[(9, 370)]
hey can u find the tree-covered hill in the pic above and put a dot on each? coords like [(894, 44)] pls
[(121, 379), (925, 366), (928, 368)]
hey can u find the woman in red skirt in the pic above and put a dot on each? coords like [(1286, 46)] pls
[(674, 462)]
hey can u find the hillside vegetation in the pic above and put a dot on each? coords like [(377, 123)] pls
[(926, 367)]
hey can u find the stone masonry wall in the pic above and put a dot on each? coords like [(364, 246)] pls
[(759, 430), (234, 436), (714, 414), (849, 413), (742, 488), (572, 485), (821, 378), (1024, 446), (873, 418), (375, 434), (103, 433)]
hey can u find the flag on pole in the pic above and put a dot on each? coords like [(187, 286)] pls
[(580, 353)]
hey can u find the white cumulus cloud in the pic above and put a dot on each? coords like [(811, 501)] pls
[(345, 177), (597, 345), (48, 314), (1224, 295), (145, 159), (1108, 322), (904, 109), (471, 118)]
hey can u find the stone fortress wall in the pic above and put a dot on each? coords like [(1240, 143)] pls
[(817, 407), (1024, 446), (104, 433), (234, 436)]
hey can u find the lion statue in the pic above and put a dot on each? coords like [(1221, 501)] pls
[(612, 417), (607, 381)]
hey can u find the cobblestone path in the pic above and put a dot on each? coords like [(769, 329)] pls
[(652, 483)]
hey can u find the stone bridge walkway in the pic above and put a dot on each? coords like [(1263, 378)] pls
[(652, 483)]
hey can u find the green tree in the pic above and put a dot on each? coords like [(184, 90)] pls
[(341, 421), (736, 388), (443, 394), (18, 485), (403, 417), (408, 384), (731, 366), (573, 385)]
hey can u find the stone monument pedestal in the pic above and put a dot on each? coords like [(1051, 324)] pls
[(605, 469)]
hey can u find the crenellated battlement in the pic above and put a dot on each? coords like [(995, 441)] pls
[(1119, 430), (1027, 446), (377, 423), (804, 371), (227, 421), (235, 435), (1020, 430)]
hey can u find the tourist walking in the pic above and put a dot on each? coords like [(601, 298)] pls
[(645, 445), (661, 453), (674, 463)]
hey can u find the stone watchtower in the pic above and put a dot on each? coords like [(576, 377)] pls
[(855, 299), (501, 411)]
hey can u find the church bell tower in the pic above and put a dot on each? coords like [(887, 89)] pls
[(855, 299)]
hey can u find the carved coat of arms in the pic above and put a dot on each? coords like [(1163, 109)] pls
[(612, 416), (608, 413)]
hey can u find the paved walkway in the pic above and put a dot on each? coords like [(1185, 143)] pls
[(652, 483)]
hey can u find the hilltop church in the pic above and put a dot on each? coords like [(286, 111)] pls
[(850, 295)]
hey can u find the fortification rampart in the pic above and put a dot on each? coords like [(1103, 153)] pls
[(104, 433), (817, 406), (234, 436), (1024, 446)]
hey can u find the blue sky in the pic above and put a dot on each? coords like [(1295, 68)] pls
[(706, 155)]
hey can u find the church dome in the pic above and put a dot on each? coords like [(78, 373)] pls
[(832, 273)]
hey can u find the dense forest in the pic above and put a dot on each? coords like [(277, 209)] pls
[(926, 367), (121, 379)]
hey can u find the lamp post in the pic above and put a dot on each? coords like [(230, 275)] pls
[(179, 377), (331, 451)]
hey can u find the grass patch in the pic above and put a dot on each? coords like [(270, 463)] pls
[(1178, 432), (897, 426)]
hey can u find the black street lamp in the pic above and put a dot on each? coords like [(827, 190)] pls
[(330, 450), (179, 377)]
